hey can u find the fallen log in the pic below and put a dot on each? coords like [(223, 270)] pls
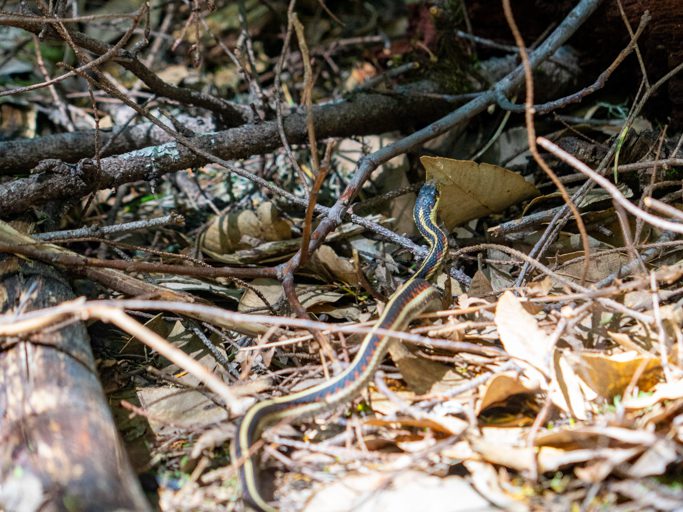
[(59, 447)]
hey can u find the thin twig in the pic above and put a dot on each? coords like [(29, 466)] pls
[(127, 227), (531, 136), (611, 189)]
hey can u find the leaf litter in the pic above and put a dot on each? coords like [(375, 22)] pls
[(542, 397), (576, 395)]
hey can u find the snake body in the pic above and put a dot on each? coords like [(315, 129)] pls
[(409, 300)]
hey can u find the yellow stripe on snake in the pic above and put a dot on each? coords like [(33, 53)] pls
[(409, 300)]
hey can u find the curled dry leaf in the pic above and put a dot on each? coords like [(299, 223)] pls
[(548, 458), (472, 190), (591, 437), (524, 340), (271, 289), (448, 425), (570, 393), (240, 230), (501, 387)]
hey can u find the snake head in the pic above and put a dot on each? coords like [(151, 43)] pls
[(427, 198)]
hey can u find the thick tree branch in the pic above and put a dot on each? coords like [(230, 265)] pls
[(363, 114)]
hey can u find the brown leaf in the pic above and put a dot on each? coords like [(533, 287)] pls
[(172, 408), (600, 266), (610, 375), (326, 260), (589, 437), (480, 285), (308, 295), (501, 387), (472, 190), (420, 374), (570, 395), (447, 424), (273, 227), (241, 230), (520, 334)]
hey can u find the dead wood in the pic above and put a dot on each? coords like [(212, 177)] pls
[(58, 444)]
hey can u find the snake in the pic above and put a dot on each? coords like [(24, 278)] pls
[(413, 297)]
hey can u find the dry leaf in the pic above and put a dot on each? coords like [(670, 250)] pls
[(603, 462), (325, 260), (649, 495), (157, 324), (186, 340), (655, 459), (485, 480), (609, 375), (273, 227), (241, 230), (519, 458), (599, 267), (421, 374), (590, 437), (227, 233), (501, 387), (173, 408), (271, 289), (449, 425), (524, 458), (382, 405), (404, 491), (520, 334), (480, 285), (572, 398), (470, 190), (626, 341), (662, 391), (501, 279)]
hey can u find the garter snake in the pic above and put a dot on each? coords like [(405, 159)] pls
[(409, 300)]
